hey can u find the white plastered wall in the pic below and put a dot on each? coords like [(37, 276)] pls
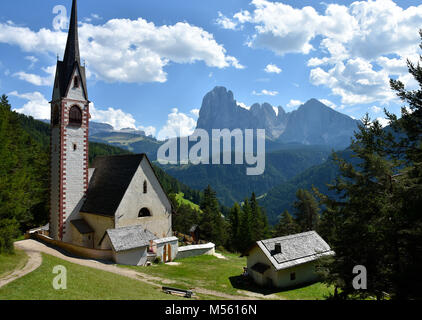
[(154, 200)]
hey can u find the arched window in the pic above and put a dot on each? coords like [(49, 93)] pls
[(76, 82), (75, 116), (144, 212), (145, 187), (56, 116)]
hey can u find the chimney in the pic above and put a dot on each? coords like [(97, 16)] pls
[(277, 248)]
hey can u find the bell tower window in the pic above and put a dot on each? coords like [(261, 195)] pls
[(145, 187), (76, 82), (75, 116)]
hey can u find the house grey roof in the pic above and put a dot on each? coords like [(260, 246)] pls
[(166, 240), (109, 183), (295, 249), (131, 237), (82, 226)]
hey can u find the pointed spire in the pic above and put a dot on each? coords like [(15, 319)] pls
[(71, 54)]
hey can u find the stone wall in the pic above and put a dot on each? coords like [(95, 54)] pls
[(76, 250), (195, 250)]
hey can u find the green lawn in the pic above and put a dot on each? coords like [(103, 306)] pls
[(212, 273), (181, 200), (316, 291), (82, 283), (10, 262)]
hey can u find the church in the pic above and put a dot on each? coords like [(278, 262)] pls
[(118, 203)]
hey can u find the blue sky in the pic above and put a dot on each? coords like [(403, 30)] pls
[(151, 62)]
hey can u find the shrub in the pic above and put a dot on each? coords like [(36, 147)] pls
[(9, 230)]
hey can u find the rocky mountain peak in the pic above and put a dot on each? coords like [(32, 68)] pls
[(312, 123)]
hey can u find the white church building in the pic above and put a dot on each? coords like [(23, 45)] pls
[(119, 203)]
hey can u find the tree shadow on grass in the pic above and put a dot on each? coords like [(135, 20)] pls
[(247, 284)]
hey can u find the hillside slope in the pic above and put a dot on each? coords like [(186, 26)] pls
[(282, 196)]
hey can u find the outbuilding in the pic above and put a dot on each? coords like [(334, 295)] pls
[(130, 245), (166, 248), (286, 261)]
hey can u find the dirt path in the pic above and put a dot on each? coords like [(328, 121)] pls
[(34, 261), (35, 248)]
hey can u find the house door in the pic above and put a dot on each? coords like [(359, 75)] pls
[(169, 252), (165, 254)]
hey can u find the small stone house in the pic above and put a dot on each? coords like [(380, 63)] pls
[(130, 245), (286, 261)]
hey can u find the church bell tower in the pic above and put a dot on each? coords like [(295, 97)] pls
[(69, 137)]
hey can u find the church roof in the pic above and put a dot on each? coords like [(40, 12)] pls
[(109, 182), (131, 237), (71, 59)]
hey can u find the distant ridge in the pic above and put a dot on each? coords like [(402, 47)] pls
[(313, 123)]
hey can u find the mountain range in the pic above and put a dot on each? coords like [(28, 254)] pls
[(313, 123)]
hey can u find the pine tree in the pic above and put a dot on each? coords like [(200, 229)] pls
[(234, 222), (212, 225), (258, 227), (307, 210), (23, 178), (245, 232), (286, 225), (359, 225), (405, 146)]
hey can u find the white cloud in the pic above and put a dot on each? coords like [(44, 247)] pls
[(178, 125), (225, 22), (149, 131), (328, 103), (195, 112), (377, 35), (272, 68), (383, 121), (33, 61), (37, 79), (124, 50), (33, 78), (36, 106), (114, 117), (265, 92), (294, 103), (376, 109), (356, 82)]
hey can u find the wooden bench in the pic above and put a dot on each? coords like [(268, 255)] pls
[(176, 291)]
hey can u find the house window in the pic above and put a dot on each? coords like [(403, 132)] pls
[(144, 212), (76, 82), (75, 116), (293, 276), (145, 186)]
